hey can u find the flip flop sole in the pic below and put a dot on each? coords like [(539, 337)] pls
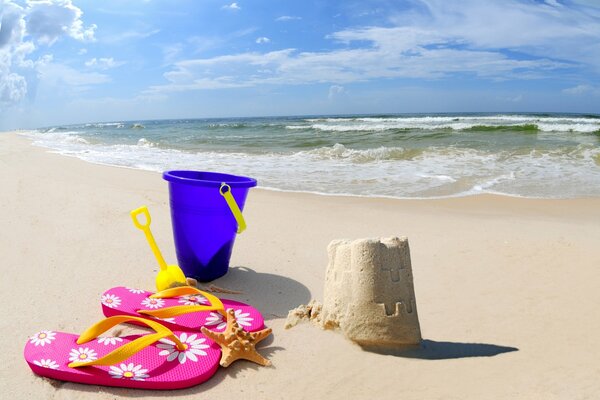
[(158, 366)]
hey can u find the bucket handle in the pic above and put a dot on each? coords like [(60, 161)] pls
[(225, 191)]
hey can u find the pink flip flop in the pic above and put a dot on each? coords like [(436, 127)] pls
[(161, 360), (182, 308)]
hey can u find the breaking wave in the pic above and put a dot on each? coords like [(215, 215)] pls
[(550, 156)]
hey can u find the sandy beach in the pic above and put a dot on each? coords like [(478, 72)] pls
[(506, 288)]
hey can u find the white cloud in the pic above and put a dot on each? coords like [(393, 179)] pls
[(579, 89), (284, 18), (200, 44), (13, 53), (335, 90), (25, 29), (232, 7), (437, 39), (13, 88), (48, 20), (103, 63), (400, 52), (12, 24), (128, 35), (82, 52), (538, 30), (171, 52), (54, 74), (262, 40)]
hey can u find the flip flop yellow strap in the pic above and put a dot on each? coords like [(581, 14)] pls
[(178, 291), (187, 290), (174, 311), (127, 350), (225, 191), (167, 312)]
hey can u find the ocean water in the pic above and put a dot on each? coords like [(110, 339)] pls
[(403, 156)]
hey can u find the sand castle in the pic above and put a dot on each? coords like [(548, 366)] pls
[(369, 292)]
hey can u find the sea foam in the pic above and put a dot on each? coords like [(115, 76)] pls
[(552, 156)]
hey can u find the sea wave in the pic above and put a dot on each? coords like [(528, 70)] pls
[(513, 123), (339, 151), (229, 125), (143, 142), (454, 126), (56, 137), (456, 118), (117, 125), (435, 172), (429, 163)]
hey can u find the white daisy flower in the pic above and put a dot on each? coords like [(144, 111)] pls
[(109, 340), (194, 299), (153, 303), (241, 317), (82, 354), (135, 291), (42, 338), (129, 371), (193, 348), (46, 363), (215, 319), (110, 300)]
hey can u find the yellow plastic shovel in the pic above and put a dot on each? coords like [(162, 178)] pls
[(169, 275)]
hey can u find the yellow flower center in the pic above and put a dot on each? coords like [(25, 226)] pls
[(185, 346), (46, 366), (128, 374), (82, 356), (109, 300), (42, 336)]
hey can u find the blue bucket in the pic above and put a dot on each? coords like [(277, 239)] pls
[(204, 219)]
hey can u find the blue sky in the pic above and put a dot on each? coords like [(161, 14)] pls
[(64, 61)]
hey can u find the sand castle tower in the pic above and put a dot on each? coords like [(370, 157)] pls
[(369, 292)]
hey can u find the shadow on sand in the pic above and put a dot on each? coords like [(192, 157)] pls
[(274, 295), (432, 350)]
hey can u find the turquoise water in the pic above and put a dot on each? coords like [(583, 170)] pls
[(405, 156)]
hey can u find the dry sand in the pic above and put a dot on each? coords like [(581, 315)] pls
[(507, 288)]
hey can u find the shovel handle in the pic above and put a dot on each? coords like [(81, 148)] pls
[(146, 228), (225, 191)]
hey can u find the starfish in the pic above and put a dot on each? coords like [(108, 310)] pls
[(238, 344)]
